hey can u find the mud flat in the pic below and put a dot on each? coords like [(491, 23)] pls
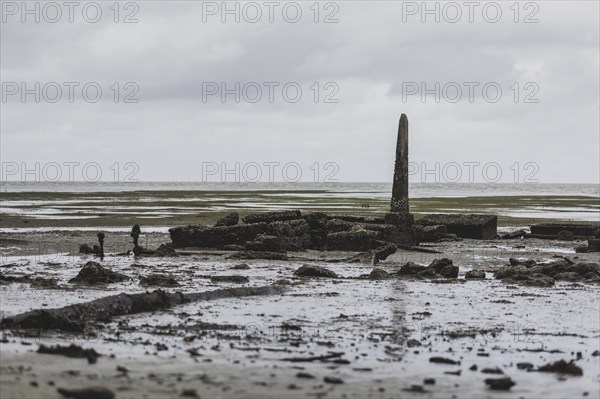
[(361, 334)]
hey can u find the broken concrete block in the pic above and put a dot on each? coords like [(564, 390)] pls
[(482, 227)]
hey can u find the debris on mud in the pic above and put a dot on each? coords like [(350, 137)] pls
[(92, 273), (74, 318), (562, 367)]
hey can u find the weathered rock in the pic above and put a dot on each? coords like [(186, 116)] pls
[(92, 273), (481, 227), (294, 235), (383, 252), (378, 274), (165, 250), (74, 318), (429, 273), (87, 393), (434, 233), (593, 245), (266, 243), (581, 249), (269, 217), (562, 367), (158, 280), (410, 268), (399, 203), (449, 271), (86, 249), (475, 275), (228, 220), (260, 255), (524, 262), (317, 224), (241, 266), (552, 229), (356, 240), (216, 237), (230, 279), (565, 235), (314, 271), (353, 219), (500, 384), (439, 264)]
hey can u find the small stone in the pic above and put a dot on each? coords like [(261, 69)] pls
[(500, 384), (333, 380)]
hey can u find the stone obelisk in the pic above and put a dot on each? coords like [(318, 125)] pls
[(399, 202)]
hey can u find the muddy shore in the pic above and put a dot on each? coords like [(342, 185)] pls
[(341, 337)]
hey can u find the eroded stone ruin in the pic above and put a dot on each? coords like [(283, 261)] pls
[(293, 230)]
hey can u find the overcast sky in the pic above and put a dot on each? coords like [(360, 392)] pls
[(367, 68)]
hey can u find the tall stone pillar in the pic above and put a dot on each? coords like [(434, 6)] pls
[(399, 202)]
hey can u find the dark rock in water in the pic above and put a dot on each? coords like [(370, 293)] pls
[(87, 393), (434, 233), (449, 271), (442, 360), (500, 384), (265, 243), (159, 280), (562, 367), (439, 264), (230, 279), (411, 268), (315, 271), (92, 273), (482, 227), (429, 381), (72, 350), (229, 220), (577, 229), (565, 235), (379, 274), (241, 266), (260, 255), (269, 217), (475, 274)]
